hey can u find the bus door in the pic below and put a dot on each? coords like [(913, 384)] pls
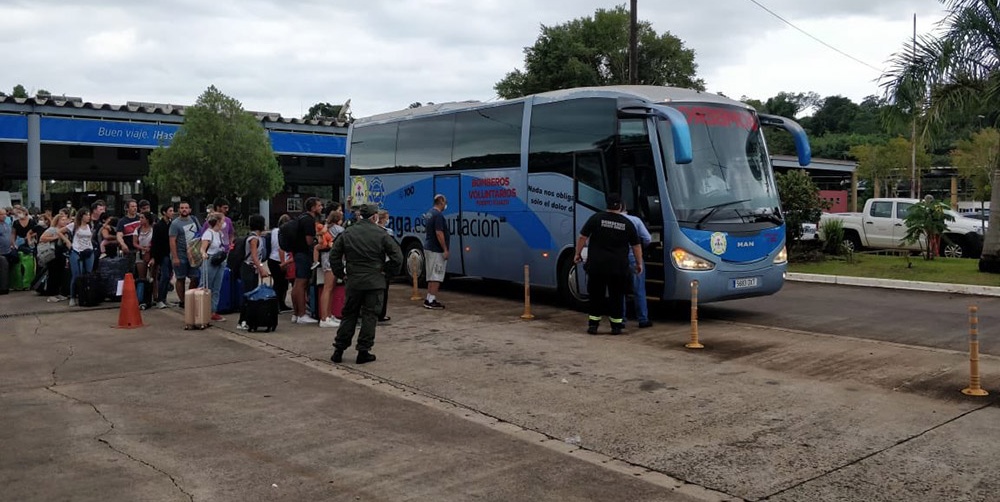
[(449, 186), (590, 187)]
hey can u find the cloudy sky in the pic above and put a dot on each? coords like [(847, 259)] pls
[(283, 56)]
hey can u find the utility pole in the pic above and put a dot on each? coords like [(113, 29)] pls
[(913, 132), (633, 44)]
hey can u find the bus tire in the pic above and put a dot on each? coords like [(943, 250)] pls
[(413, 250), (567, 284)]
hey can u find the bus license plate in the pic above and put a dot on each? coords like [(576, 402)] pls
[(746, 282)]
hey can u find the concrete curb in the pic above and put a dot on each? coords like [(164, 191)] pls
[(933, 287)]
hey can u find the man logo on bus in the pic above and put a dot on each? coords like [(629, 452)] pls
[(359, 190), (718, 243)]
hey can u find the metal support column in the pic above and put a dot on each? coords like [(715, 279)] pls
[(34, 161), (265, 210)]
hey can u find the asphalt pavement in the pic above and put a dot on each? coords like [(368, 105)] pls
[(473, 403)]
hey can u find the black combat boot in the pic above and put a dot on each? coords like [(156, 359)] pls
[(365, 357)]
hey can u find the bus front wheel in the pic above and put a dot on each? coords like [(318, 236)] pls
[(569, 290)]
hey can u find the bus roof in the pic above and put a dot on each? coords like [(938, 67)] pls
[(647, 93)]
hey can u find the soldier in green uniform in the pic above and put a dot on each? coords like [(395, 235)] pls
[(365, 246)]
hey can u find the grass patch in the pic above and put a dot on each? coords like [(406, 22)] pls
[(945, 270)]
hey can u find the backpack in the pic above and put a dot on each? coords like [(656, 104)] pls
[(239, 254), (287, 233), (194, 247)]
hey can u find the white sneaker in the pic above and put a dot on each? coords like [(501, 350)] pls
[(161, 305), (295, 318), (306, 320), (242, 326), (330, 322), (72, 302)]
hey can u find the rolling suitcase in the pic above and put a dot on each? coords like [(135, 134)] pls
[(337, 297), (89, 290), (197, 308), (231, 293), (112, 270), (260, 309)]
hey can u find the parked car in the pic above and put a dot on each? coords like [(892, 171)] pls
[(882, 226), (809, 232)]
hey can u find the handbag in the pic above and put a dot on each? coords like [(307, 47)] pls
[(262, 292), (46, 252), (218, 258)]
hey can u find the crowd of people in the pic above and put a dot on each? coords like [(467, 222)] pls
[(175, 250)]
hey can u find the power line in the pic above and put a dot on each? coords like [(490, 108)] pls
[(804, 32)]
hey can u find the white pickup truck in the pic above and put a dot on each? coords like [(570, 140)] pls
[(882, 226)]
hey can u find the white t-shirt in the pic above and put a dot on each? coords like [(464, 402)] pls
[(82, 239), (215, 241), (274, 246)]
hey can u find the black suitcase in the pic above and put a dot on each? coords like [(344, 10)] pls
[(4, 276), (261, 314), (112, 270), (89, 289)]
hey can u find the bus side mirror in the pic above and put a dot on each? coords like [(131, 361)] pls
[(798, 135)]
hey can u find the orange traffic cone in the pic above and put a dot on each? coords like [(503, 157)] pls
[(128, 315)]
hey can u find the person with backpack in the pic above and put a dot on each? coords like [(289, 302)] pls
[(278, 262), (183, 232), (300, 236), (252, 253)]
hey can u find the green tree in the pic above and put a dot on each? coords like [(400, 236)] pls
[(220, 150), (975, 156), (925, 223), (593, 51), (888, 164), (324, 110), (957, 69), (800, 202), (19, 91), (837, 114)]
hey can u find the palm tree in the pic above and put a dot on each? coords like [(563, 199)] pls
[(959, 69)]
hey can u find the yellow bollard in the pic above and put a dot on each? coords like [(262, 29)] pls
[(974, 388), (693, 344), (527, 295), (415, 273)]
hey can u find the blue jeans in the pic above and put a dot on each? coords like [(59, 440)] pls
[(78, 267), (166, 271), (211, 278), (638, 291)]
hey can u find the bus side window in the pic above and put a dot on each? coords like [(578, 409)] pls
[(591, 184)]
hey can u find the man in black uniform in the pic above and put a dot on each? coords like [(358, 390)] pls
[(365, 245), (610, 235)]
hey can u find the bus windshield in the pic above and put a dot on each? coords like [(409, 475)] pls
[(730, 179)]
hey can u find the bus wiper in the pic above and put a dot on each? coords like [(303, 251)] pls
[(713, 209), (767, 215)]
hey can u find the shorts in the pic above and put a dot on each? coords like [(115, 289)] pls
[(324, 261), (435, 266), (184, 269), (303, 265)]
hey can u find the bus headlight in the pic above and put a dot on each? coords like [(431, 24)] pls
[(782, 256), (687, 261)]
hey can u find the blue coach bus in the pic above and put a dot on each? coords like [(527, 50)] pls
[(522, 176)]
